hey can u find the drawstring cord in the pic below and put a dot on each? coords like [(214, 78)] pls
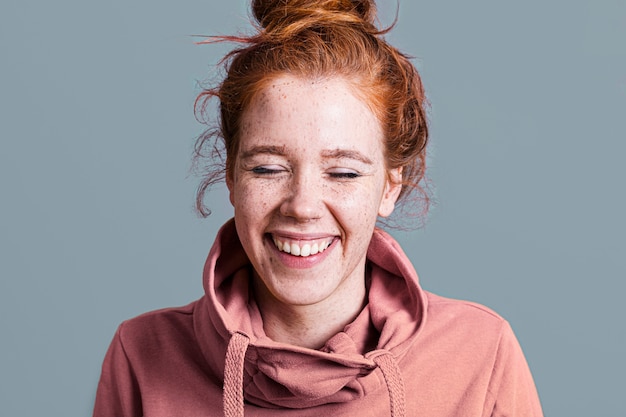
[(233, 375), (394, 382)]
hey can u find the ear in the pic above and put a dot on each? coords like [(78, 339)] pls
[(392, 190)]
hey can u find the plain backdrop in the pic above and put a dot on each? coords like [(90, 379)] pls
[(528, 105)]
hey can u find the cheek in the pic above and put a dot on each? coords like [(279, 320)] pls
[(252, 201), (358, 205)]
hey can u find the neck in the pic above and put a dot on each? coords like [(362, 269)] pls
[(309, 326)]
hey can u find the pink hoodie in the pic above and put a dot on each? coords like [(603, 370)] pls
[(409, 353)]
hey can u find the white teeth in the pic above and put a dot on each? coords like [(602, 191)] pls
[(307, 249)]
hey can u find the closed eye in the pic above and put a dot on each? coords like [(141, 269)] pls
[(267, 169), (343, 173)]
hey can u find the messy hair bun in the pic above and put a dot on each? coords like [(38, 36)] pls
[(272, 13), (318, 39)]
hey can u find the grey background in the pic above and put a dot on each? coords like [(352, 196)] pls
[(96, 225)]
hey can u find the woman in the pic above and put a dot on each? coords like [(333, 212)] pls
[(309, 308)]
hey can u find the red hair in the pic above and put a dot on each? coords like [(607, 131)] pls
[(318, 39)]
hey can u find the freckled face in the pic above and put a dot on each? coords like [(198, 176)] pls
[(308, 183)]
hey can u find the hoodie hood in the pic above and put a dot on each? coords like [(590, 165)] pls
[(359, 360)]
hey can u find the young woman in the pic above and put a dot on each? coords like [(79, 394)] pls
[(309, 309)]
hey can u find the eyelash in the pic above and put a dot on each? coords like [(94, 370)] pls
[(345, 175), (264, 170)]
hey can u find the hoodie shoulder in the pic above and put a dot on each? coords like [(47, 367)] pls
[(468, 307), (159, 320), (468, 320), (157, 333)]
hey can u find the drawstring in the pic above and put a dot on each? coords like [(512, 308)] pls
[(395, 385), (233, 375)]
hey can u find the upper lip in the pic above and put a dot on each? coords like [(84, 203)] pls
[(300, 236)]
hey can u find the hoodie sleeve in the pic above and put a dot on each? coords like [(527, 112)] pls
[(512, 391), (118, 392)]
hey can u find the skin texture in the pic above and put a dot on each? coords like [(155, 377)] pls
[(310, 170)]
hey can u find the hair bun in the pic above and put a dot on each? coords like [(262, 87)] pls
[(279, 13)]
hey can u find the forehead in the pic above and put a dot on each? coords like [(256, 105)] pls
[(311, 113)]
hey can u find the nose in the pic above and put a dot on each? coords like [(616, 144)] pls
[(303, 201)]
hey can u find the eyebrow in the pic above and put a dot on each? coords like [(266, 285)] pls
[(256, 150), (346, 154)]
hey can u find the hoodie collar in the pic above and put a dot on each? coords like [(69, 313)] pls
[(278, 375)]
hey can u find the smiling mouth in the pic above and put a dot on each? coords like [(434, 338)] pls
[(302, 248)]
